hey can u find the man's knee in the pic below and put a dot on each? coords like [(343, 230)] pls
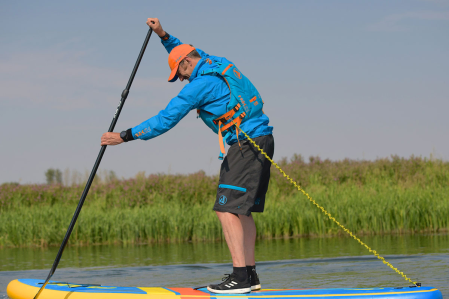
[(224, 213)]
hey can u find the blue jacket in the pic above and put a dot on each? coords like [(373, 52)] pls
[(208, 93)]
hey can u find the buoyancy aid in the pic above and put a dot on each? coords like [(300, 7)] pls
[(245, 102)]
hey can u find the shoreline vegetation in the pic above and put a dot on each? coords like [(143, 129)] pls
[(385, 196)]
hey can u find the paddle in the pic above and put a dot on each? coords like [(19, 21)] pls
[(97, 163)]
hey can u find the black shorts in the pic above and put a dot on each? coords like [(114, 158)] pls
[(244, 177)]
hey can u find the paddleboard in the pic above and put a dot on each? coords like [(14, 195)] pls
[(28, 288)]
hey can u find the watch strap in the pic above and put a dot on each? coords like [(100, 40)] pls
[(166, 36), (127, 135)]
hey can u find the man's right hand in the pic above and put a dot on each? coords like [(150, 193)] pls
[(156, 26)]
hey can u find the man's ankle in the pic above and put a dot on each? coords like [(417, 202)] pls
[(240, 273), (250, 269)]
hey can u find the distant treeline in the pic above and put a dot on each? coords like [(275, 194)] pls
[(392, 195), (70, 178)]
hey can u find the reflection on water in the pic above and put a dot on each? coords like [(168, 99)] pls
[(291, 263)]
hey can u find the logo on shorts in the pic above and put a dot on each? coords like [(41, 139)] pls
[(257, 201), (223, 200)]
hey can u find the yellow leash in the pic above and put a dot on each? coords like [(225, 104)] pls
[(328, 214)]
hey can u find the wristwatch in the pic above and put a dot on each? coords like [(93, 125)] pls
[(166, 36), (127, 135), (123, 135)]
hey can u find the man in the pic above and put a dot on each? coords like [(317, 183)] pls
[(245, 173)]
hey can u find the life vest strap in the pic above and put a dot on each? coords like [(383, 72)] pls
[(227, 68), (237, 121), (228, 115), (220, 141), (237, 134), (237, 126)]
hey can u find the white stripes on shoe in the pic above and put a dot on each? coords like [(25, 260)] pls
[(231, 284)]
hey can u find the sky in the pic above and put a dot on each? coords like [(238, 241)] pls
[(340, 79)]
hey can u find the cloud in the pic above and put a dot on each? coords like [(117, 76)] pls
[(62, 80), (393, 22)]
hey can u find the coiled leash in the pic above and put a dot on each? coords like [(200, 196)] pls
[(328, 214)]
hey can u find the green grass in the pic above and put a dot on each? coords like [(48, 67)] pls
[(368, 197)]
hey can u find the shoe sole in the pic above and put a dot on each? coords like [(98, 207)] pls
[(235, 291), (256, 287)]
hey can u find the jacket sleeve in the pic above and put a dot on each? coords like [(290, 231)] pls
[(172, 42), (190, 97)]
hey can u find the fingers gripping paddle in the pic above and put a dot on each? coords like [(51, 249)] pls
[(97, 163)]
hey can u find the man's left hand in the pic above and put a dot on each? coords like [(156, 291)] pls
[(111, 138)]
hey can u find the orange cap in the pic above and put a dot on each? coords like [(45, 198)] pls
[(176, 56)]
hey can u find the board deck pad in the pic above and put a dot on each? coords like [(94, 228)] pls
[(28, 288)]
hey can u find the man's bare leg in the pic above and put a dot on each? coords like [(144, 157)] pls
[(234, 235), (249, 241), (238, 281), (249, 232)]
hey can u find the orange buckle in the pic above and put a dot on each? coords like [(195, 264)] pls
[(227, 116), (237, 121)]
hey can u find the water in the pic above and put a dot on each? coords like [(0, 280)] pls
[(291, 263)]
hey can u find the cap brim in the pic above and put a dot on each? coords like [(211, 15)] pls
[(173, 76)]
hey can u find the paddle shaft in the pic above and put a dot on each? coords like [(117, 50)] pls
[(97, 164)]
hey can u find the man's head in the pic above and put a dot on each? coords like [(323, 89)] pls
[(182, 61)]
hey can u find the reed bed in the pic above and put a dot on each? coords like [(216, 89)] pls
[(394, 195)]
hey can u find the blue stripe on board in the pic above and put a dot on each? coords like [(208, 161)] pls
[(78, 288)]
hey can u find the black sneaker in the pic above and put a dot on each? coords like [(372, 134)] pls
[(230, 286), (255, 282)]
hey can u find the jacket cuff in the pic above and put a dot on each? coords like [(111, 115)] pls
[(128, 136)]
